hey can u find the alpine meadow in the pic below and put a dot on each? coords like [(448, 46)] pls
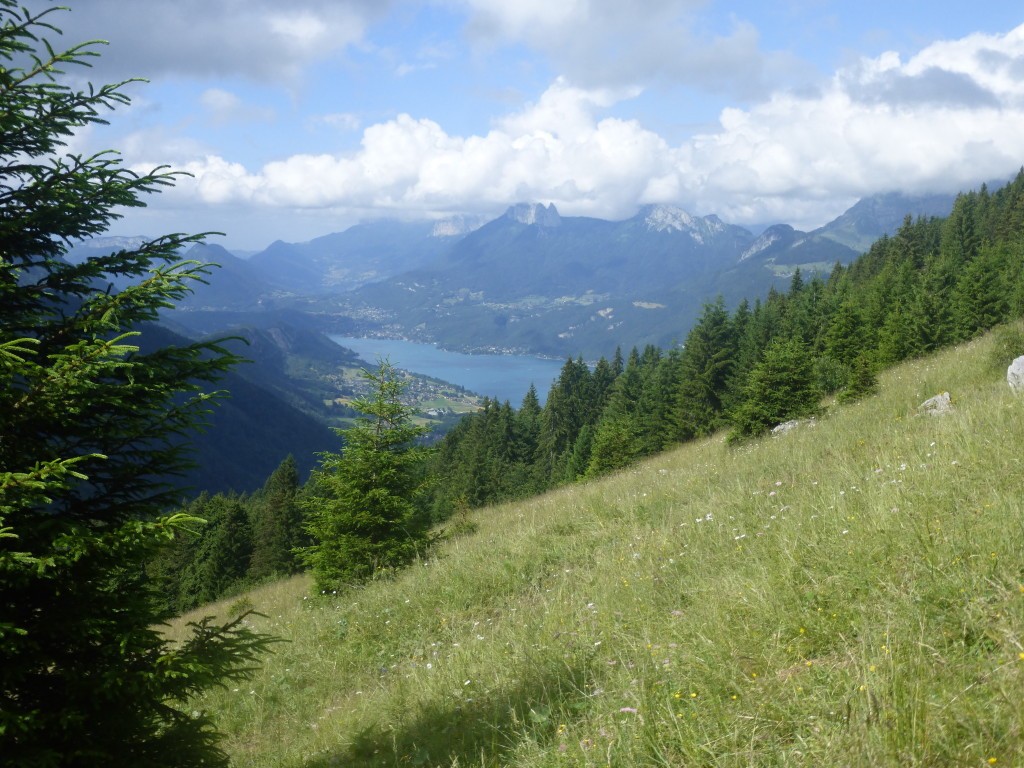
[(848, 594), (792, 537)]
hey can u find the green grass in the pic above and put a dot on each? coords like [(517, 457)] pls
[(850, 594)]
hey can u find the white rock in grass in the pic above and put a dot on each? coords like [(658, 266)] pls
[(1015, 375), (784, 427), (939, 405), (789, 426)]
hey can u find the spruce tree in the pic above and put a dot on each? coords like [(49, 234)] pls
[(277, 525), (844, 338), (527, 426), (224, 552), (92, 429), (654, 411), (568, 408), (616, 444), (704, 368), (780, 387), (863, 381), (981, 299), (617, 438), (363, 512)]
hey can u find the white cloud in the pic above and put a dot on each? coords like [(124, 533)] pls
[(224, 106), (201, 38), (342, 121), (840, 145), (526, 18), (554, 151), (609, 42), (799, 158)]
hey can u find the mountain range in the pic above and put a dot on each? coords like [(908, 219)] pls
[(530, 280), (533, 281)]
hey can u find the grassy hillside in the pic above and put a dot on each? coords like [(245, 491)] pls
[(850, 594)]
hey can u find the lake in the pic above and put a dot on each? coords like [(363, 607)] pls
[(505, 377)]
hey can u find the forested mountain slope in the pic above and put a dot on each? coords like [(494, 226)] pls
[(935, 282), (248, 433)]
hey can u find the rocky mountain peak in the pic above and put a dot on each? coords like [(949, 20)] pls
[(458, 225), (774, 234), (535, 213), (670, 218), (661, 218)]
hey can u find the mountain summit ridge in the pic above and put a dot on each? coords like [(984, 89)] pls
[(534, 213), (531, 280)]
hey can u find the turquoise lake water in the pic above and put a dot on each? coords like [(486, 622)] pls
[(505, 377)]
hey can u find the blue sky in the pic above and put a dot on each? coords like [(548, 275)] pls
[(301, 118)]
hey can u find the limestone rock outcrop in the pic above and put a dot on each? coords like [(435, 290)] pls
[(1015, 375), (939, 405)]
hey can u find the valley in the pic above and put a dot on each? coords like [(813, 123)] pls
[(531, 281), (520, 294), (496, 375)]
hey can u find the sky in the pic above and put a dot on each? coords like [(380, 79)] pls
[(300, 118)]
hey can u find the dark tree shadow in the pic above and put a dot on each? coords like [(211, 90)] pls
[(477, 732)]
